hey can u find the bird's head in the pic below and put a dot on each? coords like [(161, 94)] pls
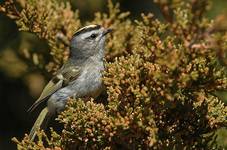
[(89, 41)]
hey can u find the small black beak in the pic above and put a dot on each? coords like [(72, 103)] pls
[(107, 31)]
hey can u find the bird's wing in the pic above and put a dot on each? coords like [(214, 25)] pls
[(64, 76)]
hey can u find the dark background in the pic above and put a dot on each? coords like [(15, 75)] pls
[(20, 85)]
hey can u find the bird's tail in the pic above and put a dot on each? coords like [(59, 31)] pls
[(42, 120)]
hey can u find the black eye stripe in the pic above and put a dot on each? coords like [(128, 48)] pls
[(93, 35)]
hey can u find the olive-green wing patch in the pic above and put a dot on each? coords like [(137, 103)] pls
[(65, 76)]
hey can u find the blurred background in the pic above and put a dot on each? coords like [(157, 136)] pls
[(20, 84)]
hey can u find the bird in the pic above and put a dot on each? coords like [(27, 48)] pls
[(79, 77)]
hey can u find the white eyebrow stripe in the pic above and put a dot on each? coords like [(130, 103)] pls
[(87, 28)]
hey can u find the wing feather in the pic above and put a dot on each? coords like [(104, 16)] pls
[(49, 89), (65, 75)]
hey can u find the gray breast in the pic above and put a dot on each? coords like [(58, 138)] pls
[(89, 83)]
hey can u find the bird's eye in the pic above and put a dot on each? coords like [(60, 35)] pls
[(93, 36)]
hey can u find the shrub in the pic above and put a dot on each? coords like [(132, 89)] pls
[(161, 77)]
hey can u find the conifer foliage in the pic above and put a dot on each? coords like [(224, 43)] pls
[(160, 77)]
